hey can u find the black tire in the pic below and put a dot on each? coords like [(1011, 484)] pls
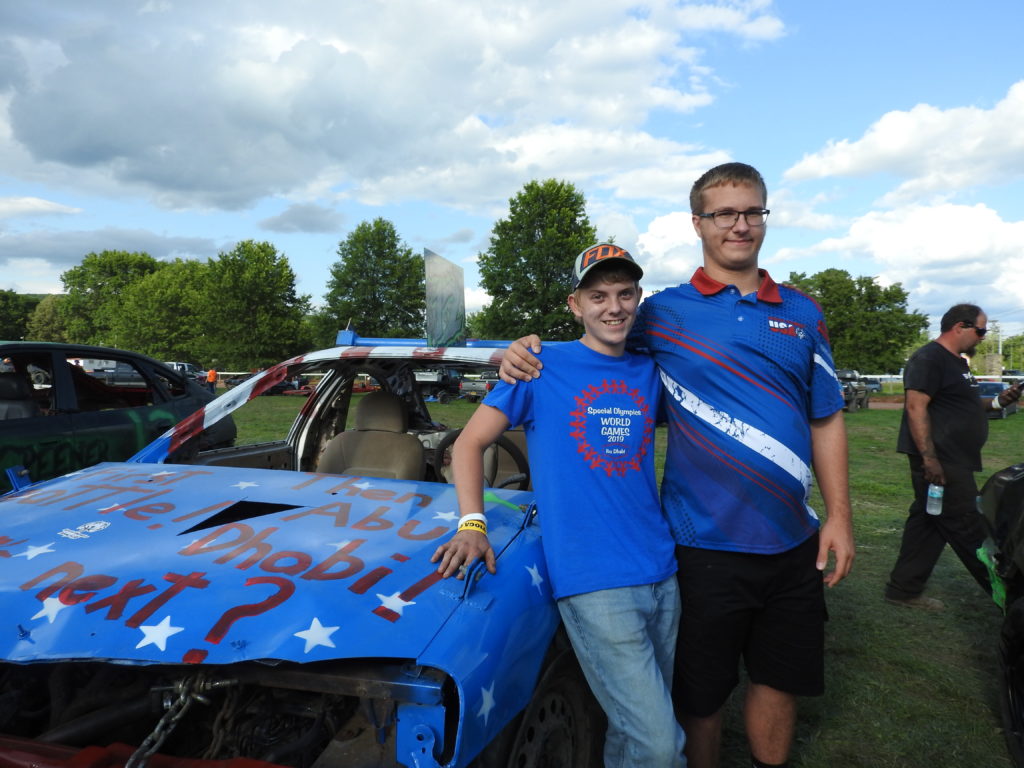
[(1011, 692), (562, 726), (444, 398)]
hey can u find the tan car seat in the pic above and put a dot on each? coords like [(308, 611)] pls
[(379, 446)]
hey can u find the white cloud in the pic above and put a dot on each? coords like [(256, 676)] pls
[(20, 207), (304, 217), (464, 235), (377, 101), (941, 254), (937, 151), (476, 299), (741, 19), (30, 276), (37, 258), (156, 6), (668, 179), (617, 225), (669, 251), (789, 210)]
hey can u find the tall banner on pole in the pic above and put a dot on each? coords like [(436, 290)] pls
[(446, 301)]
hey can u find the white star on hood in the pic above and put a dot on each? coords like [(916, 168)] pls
[(157, 634), (394, 602), (487, 704), (535, 578), (317, 634), (51, 607), (243, 484), (448, 516), (31, 552)]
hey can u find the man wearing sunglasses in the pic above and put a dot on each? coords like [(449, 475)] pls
[(942, 432)]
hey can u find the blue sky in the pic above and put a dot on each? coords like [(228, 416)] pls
[(888, 132)]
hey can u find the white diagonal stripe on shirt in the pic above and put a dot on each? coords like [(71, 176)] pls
[(819, 360), (753, 438)]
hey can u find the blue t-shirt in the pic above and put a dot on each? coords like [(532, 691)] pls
[(743, 376), (589, 424)]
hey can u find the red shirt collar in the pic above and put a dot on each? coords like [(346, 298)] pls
[(708, 286)]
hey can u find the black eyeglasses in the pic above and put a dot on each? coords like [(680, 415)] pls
[(727, 219), (980, 331)]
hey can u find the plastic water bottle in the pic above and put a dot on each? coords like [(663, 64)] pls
[(934, 505)]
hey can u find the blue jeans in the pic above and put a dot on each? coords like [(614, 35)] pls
[(625, 641)]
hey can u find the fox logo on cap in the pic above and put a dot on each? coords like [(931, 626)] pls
[(598, 254)]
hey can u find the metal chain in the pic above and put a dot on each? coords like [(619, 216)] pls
[(188, 691)]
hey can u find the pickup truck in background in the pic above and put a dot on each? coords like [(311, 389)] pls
[(474, 390), (442, 383), (119, 374), (855, 390), (191, 370)]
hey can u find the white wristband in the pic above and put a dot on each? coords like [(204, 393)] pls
[(473, 516), (995, 404)]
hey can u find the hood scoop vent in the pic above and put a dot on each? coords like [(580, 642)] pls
[(241, 510)]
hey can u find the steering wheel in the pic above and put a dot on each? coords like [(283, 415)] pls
[(442, 458)]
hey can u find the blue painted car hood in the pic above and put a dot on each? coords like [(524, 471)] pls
[(163, 563)]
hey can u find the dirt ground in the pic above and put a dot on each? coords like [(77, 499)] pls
[(886, 404)]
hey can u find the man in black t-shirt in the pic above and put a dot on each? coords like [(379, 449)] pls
[(943, 430)]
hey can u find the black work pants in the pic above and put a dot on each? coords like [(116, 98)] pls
[(924, 536)]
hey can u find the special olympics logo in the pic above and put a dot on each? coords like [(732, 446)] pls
[(612, 427)]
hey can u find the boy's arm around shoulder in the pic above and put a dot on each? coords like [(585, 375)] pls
[(456, 556), (520, 362)]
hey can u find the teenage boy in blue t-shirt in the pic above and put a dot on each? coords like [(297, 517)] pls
[(589, 424)]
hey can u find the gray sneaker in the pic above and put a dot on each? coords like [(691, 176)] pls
[(922, 602)]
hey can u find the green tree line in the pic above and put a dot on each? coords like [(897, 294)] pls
[(870, 326), (237, 311), (241, 309)]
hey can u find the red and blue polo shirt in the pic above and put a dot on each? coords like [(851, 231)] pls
[(743, 377)]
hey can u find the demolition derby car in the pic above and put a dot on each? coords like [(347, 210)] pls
[(273, 604), (68, 406), (1002, 504)]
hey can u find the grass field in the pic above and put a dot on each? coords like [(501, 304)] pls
[(905, 689)]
